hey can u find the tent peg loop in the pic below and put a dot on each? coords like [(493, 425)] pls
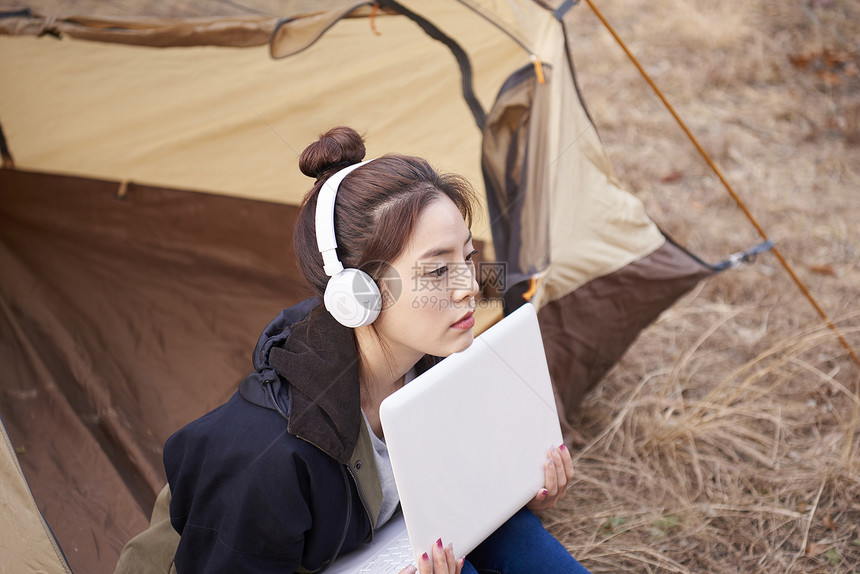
[(735, 260), (373, 14), (564, 8), (122, 191), (534, 283), (538, 68)]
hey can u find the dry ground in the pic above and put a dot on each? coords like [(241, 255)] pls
[(728, 438)]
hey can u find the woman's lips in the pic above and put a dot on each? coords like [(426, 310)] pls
[(466, 322)]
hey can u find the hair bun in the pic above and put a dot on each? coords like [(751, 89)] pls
[(337, 148)]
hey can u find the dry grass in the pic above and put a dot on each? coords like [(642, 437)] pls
[(728, 438)]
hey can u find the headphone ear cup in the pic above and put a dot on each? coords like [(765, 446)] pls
[(353, 298)]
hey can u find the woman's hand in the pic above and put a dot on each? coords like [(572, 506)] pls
[(558, 472), (440, 560)]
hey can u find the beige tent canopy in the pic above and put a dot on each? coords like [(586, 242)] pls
[(145, 224)]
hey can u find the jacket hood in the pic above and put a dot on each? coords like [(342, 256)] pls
[(306, 348), (306, 368)]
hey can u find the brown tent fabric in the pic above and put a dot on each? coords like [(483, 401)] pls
[(588, 330), (123, 318)]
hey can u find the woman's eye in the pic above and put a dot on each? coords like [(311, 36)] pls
[(438, 273)]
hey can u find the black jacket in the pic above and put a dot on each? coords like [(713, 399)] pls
[(281, 478)]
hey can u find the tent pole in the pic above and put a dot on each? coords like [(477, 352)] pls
[(726, 184)]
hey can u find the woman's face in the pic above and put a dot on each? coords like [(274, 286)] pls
[(433, 312)]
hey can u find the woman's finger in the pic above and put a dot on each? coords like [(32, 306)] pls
[(536, 503), (424, 564), (449, 558), (560, 476), (551, 475), (540, 501), (409, 570), (567, 462), (440, 560)]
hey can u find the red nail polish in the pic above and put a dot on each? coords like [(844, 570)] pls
[(562, 447), (439, 543), (425, 558)]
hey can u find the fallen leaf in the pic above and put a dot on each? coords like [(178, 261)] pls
[(800, 61), (814, 549), (826, 269), (830, 79), (672, 177), (828, 522), (836, 57)]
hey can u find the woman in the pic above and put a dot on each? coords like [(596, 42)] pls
[(291, 471)]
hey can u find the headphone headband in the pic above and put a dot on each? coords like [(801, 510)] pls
[(324, 217)]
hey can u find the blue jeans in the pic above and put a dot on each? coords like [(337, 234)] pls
[(521, 546)]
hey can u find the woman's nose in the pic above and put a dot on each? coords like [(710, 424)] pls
[(464, 284)]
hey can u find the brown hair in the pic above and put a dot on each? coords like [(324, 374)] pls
[(377, 205)]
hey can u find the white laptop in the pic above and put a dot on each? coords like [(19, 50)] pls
[(468, 440)]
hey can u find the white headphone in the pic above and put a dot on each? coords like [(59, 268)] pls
[(351, 295)]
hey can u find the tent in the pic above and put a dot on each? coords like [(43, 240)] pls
[(150, 186)]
